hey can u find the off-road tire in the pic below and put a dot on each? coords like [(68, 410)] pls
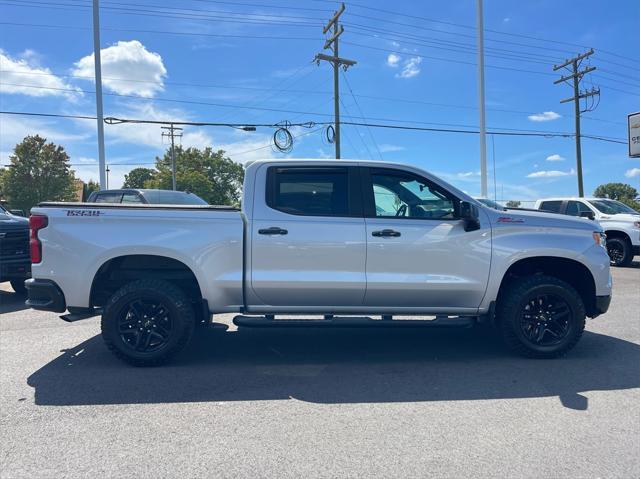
[(511, 305), (622, 245), (180, 311), (18, 286)]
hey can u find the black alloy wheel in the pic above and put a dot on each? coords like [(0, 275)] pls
[(145, 325), (147, 322), (545, 320)]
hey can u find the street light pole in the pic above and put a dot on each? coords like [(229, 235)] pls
[(98, 76), (483, 128)]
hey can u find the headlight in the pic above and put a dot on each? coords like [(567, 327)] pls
[(600, 238)]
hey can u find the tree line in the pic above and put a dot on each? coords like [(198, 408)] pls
[(41, 171)]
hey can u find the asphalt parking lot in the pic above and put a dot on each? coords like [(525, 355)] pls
[(319, 403)]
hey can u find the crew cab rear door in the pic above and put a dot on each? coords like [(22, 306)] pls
[(419, 255), (308, 245)]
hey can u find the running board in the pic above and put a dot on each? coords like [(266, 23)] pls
[(353, 322)]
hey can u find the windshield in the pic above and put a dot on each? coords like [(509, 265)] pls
[(490, 204), (2, 210), (612, 207)]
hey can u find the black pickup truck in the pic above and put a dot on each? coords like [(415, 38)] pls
[(15, 260)]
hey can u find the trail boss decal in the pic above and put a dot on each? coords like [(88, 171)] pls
[(84, 213), (509, 219)]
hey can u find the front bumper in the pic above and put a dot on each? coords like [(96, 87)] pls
[(15, 269), (46, 295), (602, 305)]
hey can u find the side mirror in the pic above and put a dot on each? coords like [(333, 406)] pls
[(17, 212), (587, 214), (470, 215)]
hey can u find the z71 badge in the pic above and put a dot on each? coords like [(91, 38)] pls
[(84, 213)]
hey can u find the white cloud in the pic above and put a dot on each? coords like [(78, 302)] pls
[(555, 157), (468, 174), (544, 116), (14, 129), (506, 20), (144, 70), (23, 76), (410, 68), (393, 60), (550, 174), (632, 173), (387, 148)]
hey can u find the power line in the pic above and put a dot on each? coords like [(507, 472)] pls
[(288, 90), (362, 115), (311, 124), (471, 27)]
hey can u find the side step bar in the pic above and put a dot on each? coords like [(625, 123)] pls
[(353, 322)]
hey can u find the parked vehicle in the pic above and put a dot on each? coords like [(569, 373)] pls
[(146, 197), (320, 237), (620, 222), (15, 262)]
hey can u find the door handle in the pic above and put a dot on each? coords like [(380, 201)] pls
[(386, 233), (274, 230)]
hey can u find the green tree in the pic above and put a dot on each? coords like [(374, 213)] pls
[(137, 177), (619, 191), (207, 173), (513, 204), (89, 188), (39, 171), (615, 191)]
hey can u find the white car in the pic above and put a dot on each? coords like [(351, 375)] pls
[(620, 222), (337, 238)]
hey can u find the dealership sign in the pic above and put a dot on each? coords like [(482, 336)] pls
[(634, 135)]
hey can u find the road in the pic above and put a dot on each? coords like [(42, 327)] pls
[(309, 403)]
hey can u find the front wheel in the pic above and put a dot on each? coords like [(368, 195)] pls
[(540, 316), (147, 322), (620, 251)]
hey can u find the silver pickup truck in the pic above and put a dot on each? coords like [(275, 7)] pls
[(356, 243)]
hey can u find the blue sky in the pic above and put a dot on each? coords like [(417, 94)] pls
[(205, 60)]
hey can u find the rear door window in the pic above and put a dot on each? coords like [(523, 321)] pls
[(309, 191)]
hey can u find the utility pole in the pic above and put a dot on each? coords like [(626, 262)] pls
[(576, 75), (483, 127), (171, 133), (98, 74), (337, 62)]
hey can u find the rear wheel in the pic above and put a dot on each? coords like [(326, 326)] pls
[(619, 250), (147, 322), (541, 316), (18, 286)]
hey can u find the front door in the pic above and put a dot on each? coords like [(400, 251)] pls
[(308, 244), (419, 255)]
